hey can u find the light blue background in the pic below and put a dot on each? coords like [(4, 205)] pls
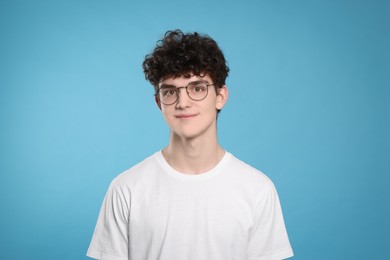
[(309, 106)]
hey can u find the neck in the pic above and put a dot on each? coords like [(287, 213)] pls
[(193, 156)]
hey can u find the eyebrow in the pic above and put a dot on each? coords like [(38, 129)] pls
[(167, 86), (173, 86)]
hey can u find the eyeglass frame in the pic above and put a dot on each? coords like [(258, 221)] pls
[(177, 91)]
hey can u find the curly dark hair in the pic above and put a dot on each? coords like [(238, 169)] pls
[(179, 54)]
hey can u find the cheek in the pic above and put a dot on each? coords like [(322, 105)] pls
[(166, 110), (168, 115)]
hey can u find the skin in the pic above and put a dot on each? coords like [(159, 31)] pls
[(193, 145)]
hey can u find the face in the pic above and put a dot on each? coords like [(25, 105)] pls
[(188, 118)]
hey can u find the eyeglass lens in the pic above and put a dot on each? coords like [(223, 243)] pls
[(196, 90)]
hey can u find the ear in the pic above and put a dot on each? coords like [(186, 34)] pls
[(222, 97), (157, 101)]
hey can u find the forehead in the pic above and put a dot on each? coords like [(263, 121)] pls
[(183, 80)]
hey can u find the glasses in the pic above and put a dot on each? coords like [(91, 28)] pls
[(196, 90)]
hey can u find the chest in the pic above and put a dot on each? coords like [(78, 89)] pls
[(217, 213)]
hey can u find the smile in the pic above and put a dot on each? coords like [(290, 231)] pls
[(185, 116)]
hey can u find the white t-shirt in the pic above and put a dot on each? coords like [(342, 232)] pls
[(153, 212)]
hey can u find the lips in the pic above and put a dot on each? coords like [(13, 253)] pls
[(185, 116)]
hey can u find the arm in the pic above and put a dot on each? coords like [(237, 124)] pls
[(110, 238)]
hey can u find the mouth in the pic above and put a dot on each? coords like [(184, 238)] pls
[(185, 116)]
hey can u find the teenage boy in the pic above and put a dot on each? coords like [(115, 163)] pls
[(192, 200)]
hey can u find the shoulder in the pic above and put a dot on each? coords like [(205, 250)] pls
[(248, 176), (245, 171), (141, 171)]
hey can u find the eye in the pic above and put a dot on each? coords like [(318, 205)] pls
[(198, 87), (167, 92)]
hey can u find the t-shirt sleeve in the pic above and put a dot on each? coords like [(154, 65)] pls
[(268, 238), (110, 238)]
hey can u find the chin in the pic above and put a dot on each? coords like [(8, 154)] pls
[(187, 135)]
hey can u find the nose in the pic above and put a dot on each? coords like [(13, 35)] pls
[(183, 100)]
